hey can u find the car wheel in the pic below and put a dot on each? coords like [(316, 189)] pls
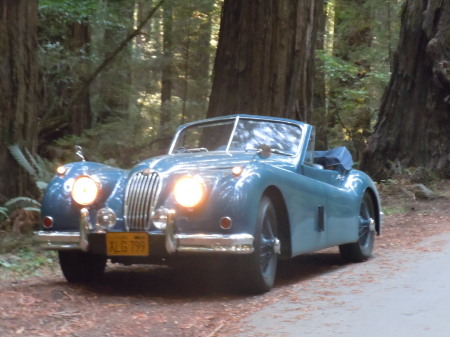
[(362, 249), (259, 268), (80, 266)]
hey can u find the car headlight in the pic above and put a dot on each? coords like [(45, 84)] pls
[(85, 190), (189, 191)]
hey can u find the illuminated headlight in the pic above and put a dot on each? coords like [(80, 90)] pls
[(189, 191), (85, 190)]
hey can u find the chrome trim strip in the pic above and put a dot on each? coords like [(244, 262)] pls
[(232, 134), (58, 240)]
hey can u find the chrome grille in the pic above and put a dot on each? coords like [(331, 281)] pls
[(140, 199)]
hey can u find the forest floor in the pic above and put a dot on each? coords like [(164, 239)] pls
[(162, 301)]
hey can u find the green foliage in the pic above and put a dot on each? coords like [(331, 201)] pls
[(63, 11), (20, 257), (360, 37), (24, 203), (116, 142), (123, 105), (39, 169)]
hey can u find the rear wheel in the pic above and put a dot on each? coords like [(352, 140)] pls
[(362, 249), (259, 268), (80, 266)]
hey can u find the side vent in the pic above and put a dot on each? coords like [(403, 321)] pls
[(320, 218)]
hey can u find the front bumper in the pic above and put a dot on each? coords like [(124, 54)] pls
[(241, 243), (195, 243)]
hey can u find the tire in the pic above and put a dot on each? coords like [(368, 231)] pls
[(362, 249), (78, 267), (259, 268)]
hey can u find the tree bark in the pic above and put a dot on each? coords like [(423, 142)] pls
[(265, 59), (80, 109), (167, 68), (413, 128), (319, 116), (19, 92)]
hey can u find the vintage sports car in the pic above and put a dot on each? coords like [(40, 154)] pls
[(245, 189)]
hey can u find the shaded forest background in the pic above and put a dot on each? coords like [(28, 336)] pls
[(118, 76)]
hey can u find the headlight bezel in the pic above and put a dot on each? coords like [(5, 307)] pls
[(83, 199), (189, 191)]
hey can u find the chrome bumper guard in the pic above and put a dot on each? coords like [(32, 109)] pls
[(193, 243)]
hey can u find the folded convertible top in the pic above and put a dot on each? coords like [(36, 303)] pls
[(339, 156)]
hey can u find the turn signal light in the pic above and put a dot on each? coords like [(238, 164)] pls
[(47, 222)]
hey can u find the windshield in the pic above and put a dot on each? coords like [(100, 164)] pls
[(246, 135)]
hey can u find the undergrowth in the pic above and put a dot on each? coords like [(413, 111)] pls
[(20, 257)]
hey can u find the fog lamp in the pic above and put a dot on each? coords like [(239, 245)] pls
[(106, 218), (160, 218)]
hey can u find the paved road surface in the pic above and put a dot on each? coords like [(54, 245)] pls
[(404, 293)]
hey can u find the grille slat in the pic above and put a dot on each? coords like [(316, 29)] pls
[(140, 198)]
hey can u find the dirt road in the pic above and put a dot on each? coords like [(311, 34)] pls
[(318, 293)]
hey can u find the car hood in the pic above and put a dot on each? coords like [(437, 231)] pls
[(196, 162)]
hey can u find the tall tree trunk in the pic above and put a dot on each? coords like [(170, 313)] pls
[(413, 128), (19, 92), (80, 110), (199, 71), (319, 116), (265, 59), (167, 73)]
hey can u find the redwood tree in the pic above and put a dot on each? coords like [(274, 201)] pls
[(19, 91), (265, 58), (413, 128)]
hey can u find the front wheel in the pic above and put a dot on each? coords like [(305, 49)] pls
[(79, 266), (259, 268), (361, 250)]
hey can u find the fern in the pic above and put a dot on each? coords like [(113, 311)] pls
[(38, 168), (4, 213), (33, 163), (22, 202), (32, 209), (18, 155)]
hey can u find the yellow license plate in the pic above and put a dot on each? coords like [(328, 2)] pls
[(127, 244)]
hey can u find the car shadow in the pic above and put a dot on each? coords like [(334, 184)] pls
[(206, 279)]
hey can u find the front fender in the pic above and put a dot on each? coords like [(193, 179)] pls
[(359, 183), (58, 203), (227, 195)]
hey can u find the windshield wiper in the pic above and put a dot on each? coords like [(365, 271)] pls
[(277, 151), (192, 150)]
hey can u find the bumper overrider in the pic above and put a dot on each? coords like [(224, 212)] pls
[(174, 242)]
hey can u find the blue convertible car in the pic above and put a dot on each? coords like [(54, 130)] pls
[(248, 189)]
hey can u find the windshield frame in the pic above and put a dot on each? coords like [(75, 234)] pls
[(237, 119)]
